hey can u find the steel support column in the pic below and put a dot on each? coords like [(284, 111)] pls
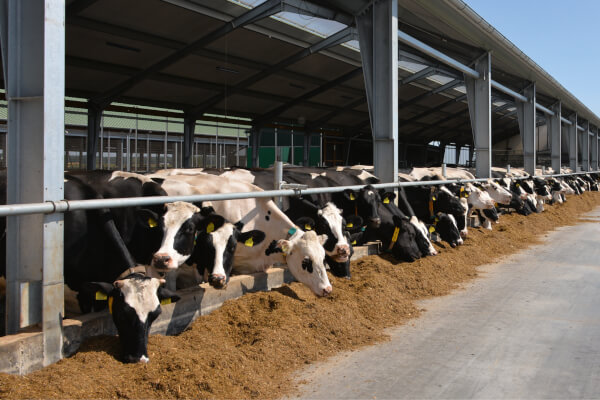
[(93, 133), (255, 142), (555, 132), (572, 129), (189, 126), (457, 153), (306, 149), (585, 147), (34, 38), (594, 139), (526, 117), (378, 30), (479, 97)]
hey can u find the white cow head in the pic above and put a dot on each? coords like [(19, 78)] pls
[(305, 258), (498, 193), (479, 199)]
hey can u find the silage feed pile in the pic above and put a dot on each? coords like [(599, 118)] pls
[(251, 347)]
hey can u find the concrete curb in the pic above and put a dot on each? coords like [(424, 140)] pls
[(23, 353)]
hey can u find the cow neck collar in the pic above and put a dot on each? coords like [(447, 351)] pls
[(139, 270)]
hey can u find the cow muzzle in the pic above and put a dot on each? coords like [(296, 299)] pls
[(162, 261), (327, 291), (374, 222), (342, 253)]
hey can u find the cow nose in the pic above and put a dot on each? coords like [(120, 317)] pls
[(327, 291), (343, 250), (161, 260)]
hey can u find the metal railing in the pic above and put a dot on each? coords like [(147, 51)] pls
[(60, 206)]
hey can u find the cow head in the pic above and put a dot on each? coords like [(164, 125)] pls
[(330, 222), (305, 259), (402, 240), (365, 203), (134, 302), (422, 237), (208, 238), (498, 193), (479, 199), (445, 226), (446, 202)]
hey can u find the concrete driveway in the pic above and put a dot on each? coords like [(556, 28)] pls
[(530, 328)]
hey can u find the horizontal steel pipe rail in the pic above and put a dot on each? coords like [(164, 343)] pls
[(51, 207)]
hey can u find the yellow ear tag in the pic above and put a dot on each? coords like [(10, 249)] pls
[(352, 197), (354, 243), (431, 229), (386, 200), (437, 219), (433, 198), (462, 189), (518, 185), (496, 205), (110, 301), (395, 236), (249, 242), (152, 223), (210, 227), (285, 249), (101, 296), (349, 225), (466, 195), (164, 302), (307, 227)]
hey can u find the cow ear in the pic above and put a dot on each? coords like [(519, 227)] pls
[(210, 223), (165, 294), (349, 194), (204, 211), (284, 245), (388, 197), (305, 223), (147, 218), (354, 222), (93, 296), (397, 220), (322, 239), (251, 238), (158, 180)]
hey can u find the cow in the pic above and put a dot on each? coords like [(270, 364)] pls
[(283, 242), (134, 300), (201, 237)]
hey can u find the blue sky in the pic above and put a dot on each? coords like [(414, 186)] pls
[(563, 37)]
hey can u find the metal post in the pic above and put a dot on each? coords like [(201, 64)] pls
[(306, 148), (457, 153), (276, 147), (128, 149), (378, 32), (278, 178), (217, 161), (102, 140), (444, 173), (255, 140), (33, 45), (508, 168), (555, 132), (94, 116), (137, 154), (166, 143), (572, 129), (292, 146), (479, 98), (189, 125), (594, 165), (585, 146), (526, 117), (237, 148), (321, 148), (148, 152)]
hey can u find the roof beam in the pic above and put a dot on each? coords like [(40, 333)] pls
[(340, 37), (266, 9), (307, 8), (329, 85), (149, 38), (348, 107)]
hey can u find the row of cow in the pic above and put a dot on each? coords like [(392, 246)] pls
[(117, 257)]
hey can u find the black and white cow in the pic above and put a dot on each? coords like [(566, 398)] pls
[(284, 242), (134, 301), (201, 237)]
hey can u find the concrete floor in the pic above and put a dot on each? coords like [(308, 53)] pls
[(530, 328)]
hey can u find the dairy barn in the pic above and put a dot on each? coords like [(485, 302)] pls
[(141, 91)]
